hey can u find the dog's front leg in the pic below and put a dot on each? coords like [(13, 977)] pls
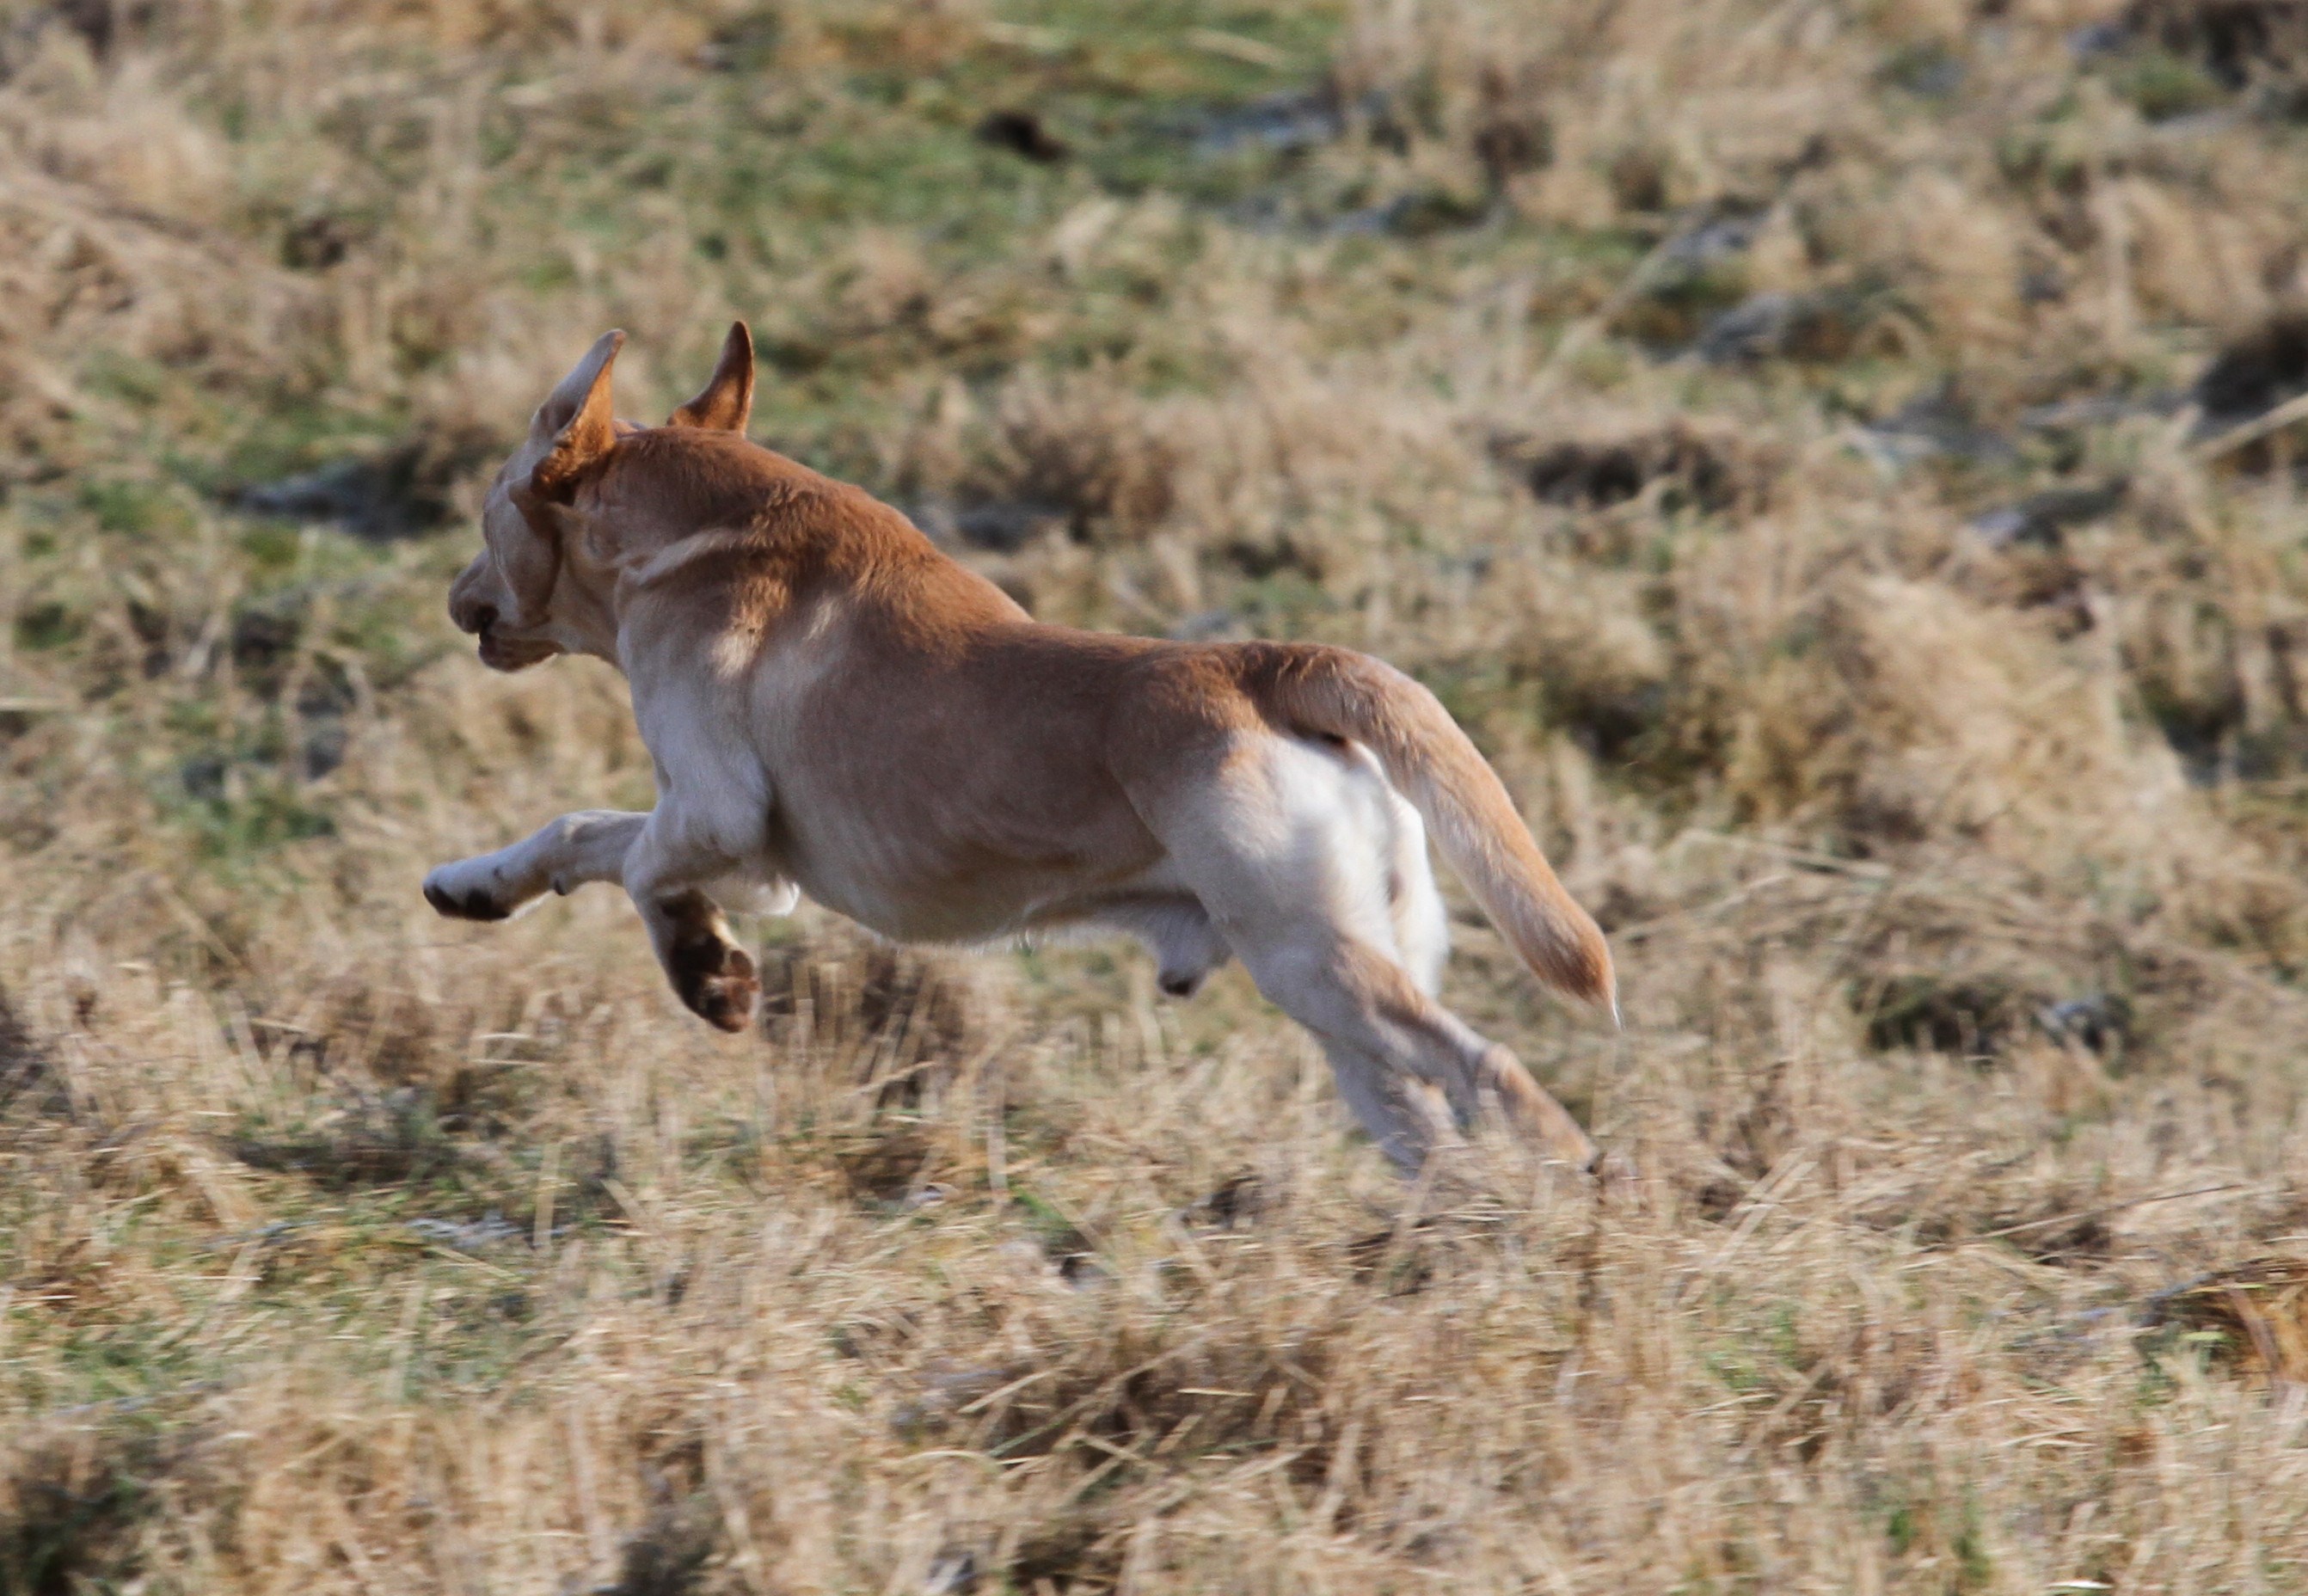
[(561, 857), (665, 875)]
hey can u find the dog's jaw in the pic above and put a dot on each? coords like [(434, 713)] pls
[(509, 654)]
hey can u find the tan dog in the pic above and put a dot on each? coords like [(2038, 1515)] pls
[(835, 707)]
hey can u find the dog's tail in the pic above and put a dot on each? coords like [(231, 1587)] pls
[(1333, 693)]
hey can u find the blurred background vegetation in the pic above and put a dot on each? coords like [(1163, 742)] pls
[(1843, 461)]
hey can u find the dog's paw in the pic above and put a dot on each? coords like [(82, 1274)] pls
[(460, 902), (716, 980)]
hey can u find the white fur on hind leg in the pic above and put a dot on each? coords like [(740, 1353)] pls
[(1422, 927)]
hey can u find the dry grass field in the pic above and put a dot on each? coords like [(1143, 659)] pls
[(1838, 459)]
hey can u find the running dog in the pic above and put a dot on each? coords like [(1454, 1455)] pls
[(835, 707)]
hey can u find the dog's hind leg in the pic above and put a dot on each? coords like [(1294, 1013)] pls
[(1422, 928), (1278, 848), (560, 856), (1390, 1044)]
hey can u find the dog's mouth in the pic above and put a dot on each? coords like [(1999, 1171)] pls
[(500, 652)]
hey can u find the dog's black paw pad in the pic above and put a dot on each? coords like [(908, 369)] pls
[(716, 981), (474, 905)]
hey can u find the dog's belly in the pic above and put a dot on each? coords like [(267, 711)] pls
[(912, 893), (985, 906)]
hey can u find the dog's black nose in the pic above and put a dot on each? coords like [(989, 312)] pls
[(469, 611)]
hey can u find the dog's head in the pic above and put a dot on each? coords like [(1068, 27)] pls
[(533, 520)]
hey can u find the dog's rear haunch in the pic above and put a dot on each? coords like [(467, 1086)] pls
[(837, 708)]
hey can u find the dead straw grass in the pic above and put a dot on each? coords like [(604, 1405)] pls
[(1955, 879)]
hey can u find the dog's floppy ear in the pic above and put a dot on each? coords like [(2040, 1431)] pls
[(726, 401), (577, 416)]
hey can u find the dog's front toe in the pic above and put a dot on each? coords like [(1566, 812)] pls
[(474, 903), (726, 1002), (716, 981)]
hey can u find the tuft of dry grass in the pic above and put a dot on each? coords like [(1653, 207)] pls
[(1835, 462)]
